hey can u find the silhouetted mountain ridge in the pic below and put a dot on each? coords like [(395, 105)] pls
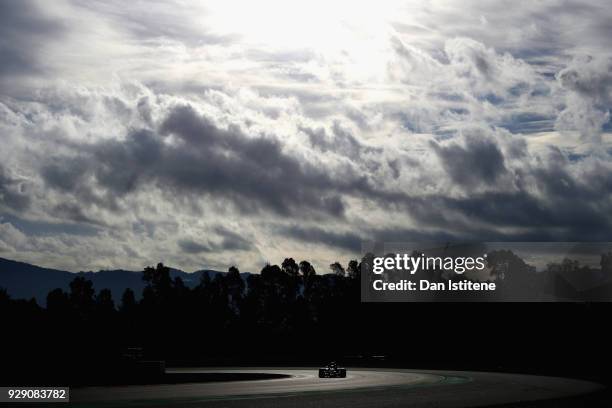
[(25, 281)]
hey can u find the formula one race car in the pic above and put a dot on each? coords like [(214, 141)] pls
[(332, 371)]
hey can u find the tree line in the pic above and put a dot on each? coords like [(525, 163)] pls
[(279, 312), (286, 314)]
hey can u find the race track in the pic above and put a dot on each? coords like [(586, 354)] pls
[(362, 388)]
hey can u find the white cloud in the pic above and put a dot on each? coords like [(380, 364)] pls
[(587, 104), (377, 118)]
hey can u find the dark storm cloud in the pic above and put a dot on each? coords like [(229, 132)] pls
[(13, 191), (64, 174), (353, 242), (72, 212), (542, 198), (555, 180), (46, 228), (523, 210), (338, 141), (344, 240), (527, 217), (191, 247), (231, 240), (71, 175), (188, 155), (480, 161), (23, 31), (255, 170), (227, 241), (547, 203)]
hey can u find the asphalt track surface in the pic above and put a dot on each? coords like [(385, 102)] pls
[(361, 388)]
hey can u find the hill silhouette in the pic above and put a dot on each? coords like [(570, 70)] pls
[(25, 281)]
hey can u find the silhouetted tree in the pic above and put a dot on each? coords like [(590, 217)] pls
[(308, 275), (204, 279), (290, 267), (606, 262), (278, 290), (58, 302), (104, 301), (307, 269), (82, 295), (180, 292), (128, 301), (5, 299), (279, 313), (158, 279), (235, 289), (353, 269), (158, 289), (337, 269)]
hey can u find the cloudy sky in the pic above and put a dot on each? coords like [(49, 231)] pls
[(205, 134)]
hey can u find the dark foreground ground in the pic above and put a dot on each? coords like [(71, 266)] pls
[(560, 340), (362, 388)]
